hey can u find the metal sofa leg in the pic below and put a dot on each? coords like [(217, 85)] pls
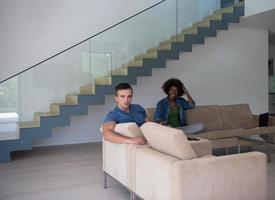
[(133, 195), (105, 180)]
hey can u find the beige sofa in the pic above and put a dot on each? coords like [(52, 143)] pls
[(224, 123), (172, 168)]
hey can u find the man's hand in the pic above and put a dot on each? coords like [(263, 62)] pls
[(110, 135), (137, 140)]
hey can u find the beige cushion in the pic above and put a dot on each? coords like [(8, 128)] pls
[(260, 130), (224, 143), (211, 135), (168, 140), (202, 147), (150, 113), (237, 116), (210, 116), (130, 129)]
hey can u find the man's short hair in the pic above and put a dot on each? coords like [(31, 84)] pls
[(123, 86)]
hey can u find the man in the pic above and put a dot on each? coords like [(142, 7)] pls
[(124, 112)]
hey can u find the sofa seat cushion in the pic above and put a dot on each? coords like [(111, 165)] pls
[(202, 147), (210, 116), (211, 135), (130, 129), (168, 140), (237, 116), (224, 143), (260, 130)]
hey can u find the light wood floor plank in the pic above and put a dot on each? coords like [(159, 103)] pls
[(70, 172)]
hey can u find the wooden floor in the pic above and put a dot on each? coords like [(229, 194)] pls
[(72, 172)]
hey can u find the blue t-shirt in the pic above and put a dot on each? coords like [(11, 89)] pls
[(136, 114)]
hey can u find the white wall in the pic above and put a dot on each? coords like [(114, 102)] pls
[(33, 30), (253, 7), (231, 68)]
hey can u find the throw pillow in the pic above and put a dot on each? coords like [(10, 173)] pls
[(168, 140)]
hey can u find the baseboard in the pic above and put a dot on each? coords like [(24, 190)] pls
[(67, 143)]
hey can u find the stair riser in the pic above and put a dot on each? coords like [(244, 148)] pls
[(131, 79), (95, 100), (183, 47), (105, 89), (239, 11), (194, 39), (154, 63), (61, 120), (219, 25), (207, 32), (144, 71), (173, 54), (74, 110), (28, 134), (231, 18)]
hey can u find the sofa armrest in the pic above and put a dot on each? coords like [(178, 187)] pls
[(118, 161), (238, 176), (202, 147)]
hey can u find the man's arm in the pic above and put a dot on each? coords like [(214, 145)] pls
[(110, 135)]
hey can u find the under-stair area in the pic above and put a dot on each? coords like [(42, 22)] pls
[(142, 64)]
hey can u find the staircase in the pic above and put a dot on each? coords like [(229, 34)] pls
[(142, 65)]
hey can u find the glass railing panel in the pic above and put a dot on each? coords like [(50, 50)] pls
[(9, 101), (53, 80), (190, 12), (49, 82), (133, 37)]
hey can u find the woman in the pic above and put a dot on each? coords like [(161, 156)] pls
[(171, 109)]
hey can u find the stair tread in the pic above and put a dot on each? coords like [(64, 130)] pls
[(76, 94), (120, 72), (28, 124), (147, 55), (135, 63), (64, 104), (104, 80), (46, 114)]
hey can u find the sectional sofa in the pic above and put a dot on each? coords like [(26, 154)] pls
[(170, 167)]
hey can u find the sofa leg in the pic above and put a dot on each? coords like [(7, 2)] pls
[(105, 180), (133, 196), (227, 150), (239, 148)]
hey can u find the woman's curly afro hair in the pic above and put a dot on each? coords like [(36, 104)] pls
[(173, 82)]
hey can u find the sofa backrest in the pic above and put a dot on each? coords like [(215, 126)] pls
[(218, 117), (237, 116), (150, 113), (209, 115)]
